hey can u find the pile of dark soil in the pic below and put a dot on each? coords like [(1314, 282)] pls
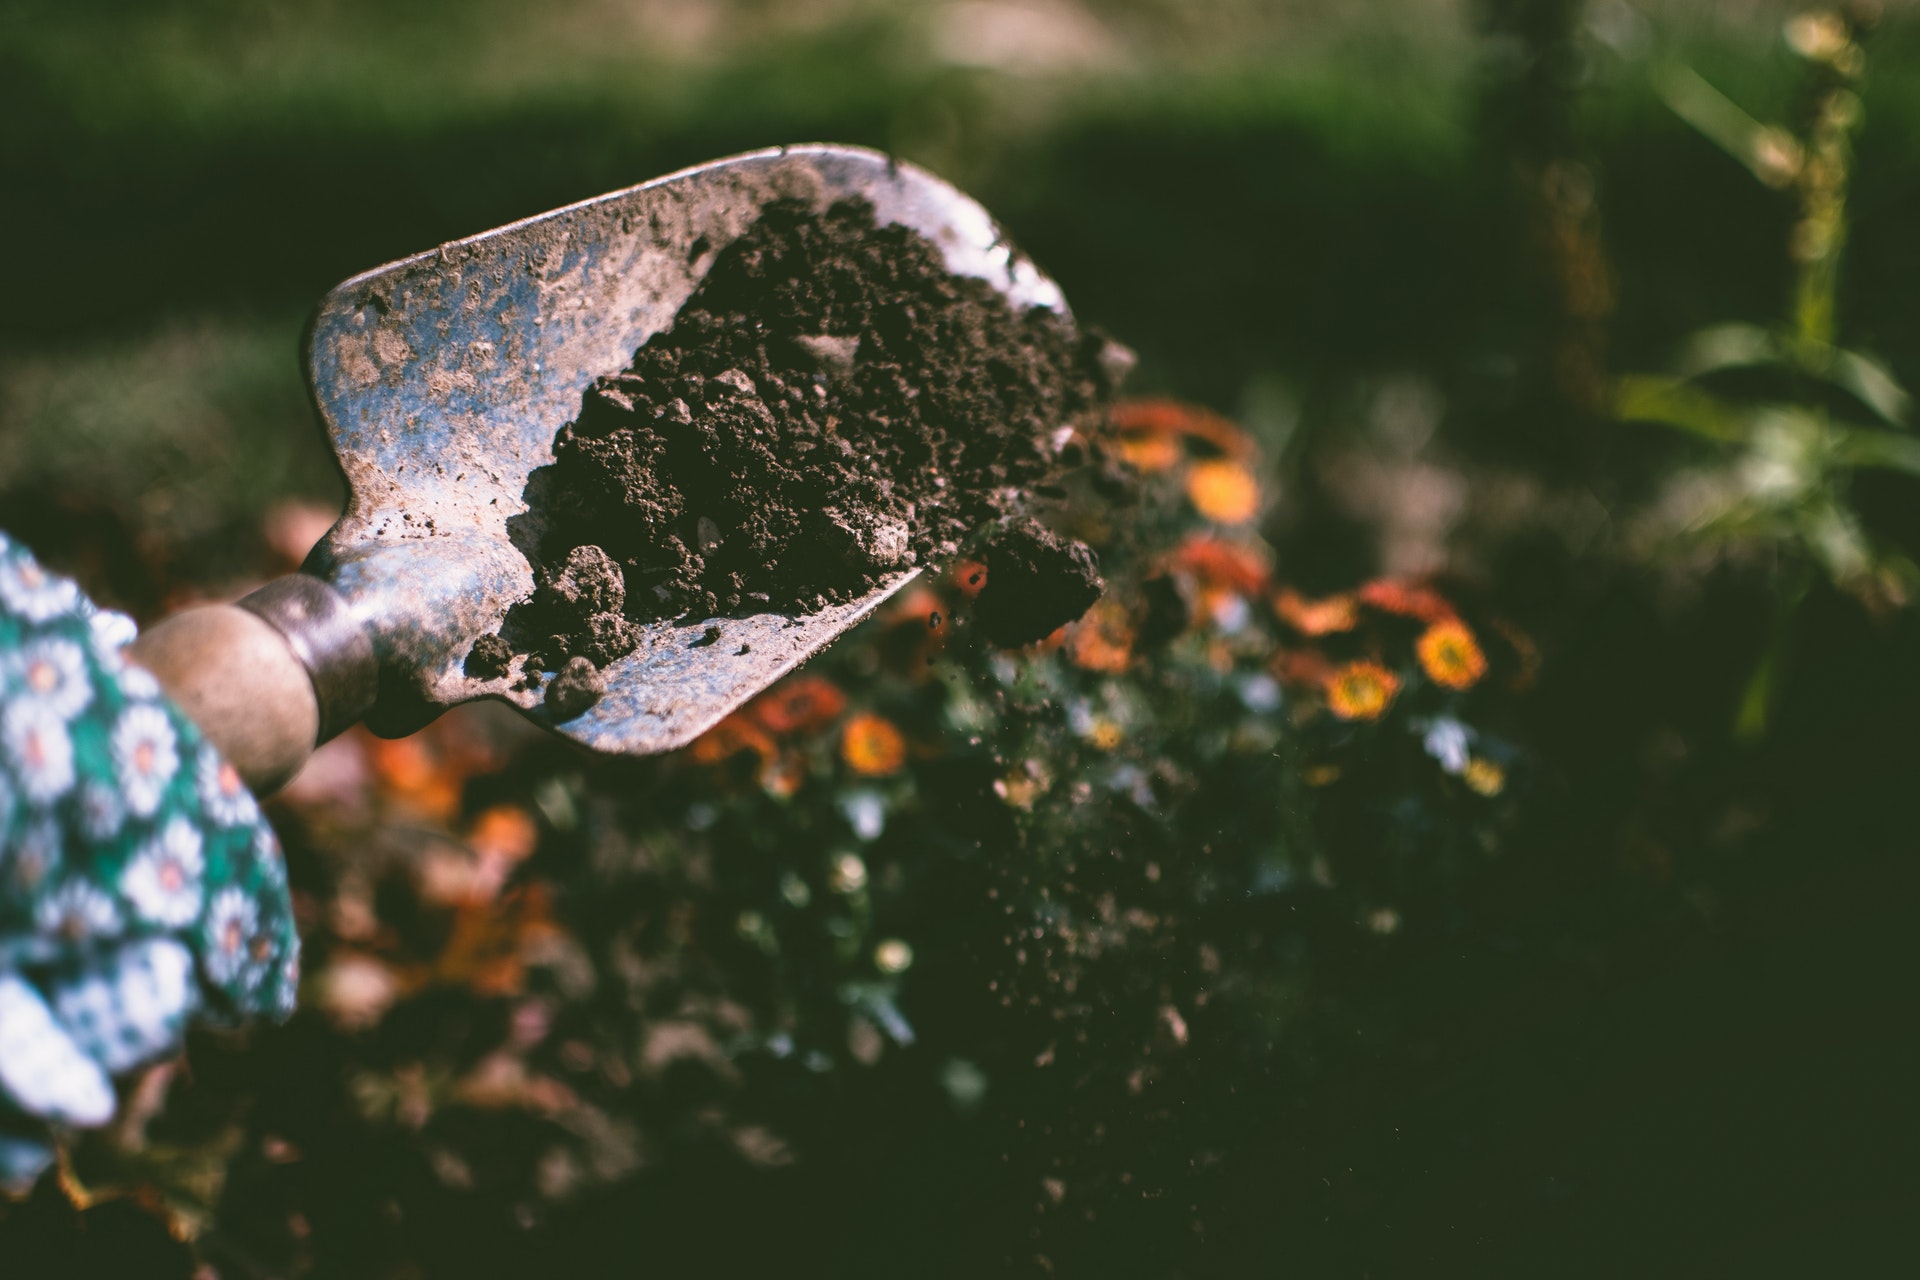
[(829, 407)]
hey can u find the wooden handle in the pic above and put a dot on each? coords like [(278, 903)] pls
[(236, 676)]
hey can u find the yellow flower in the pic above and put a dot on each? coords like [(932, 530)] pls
[(1019, 789), (871, 745), (1450, 655), (1484, 776), (1361, 691), (1223, 491)]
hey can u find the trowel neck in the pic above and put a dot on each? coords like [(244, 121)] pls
[(328, 640), (266, 679)]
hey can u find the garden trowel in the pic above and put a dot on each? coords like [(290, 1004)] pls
[(442, 380)]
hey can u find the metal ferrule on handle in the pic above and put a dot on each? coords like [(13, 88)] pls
[(320, 629)]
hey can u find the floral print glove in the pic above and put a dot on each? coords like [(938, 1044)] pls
[(139, 886)]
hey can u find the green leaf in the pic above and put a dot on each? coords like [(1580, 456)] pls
[(1871, 447), (1771, 155), (1762, 692), (1674, 403), (1872, 384), (1728, 346), (1745, 346)]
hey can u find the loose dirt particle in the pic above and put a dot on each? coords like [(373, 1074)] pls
[(490, 659), (1036, 583), (575, 689)]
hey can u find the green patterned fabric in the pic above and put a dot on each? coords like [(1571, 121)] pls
[(139, 885)]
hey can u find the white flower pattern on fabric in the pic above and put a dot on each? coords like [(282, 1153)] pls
[(228, 951), (136, 874), (127, 1008), (78, 911), (36, 744), (42, 1070), (145, 757), (34, 594), (111, 633), (223, 796), (101, 813), (162, 880), (138, 683), (271, 861), (52, 672)]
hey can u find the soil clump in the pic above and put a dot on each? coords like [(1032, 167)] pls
[(830, 406), (1037, 582), (577, 687)]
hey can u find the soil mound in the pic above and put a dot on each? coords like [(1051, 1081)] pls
[(830, 406)]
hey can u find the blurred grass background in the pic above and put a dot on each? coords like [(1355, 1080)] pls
[(1254, 194)]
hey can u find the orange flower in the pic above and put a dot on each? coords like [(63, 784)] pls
[(1325, 617), (1361, 691), (489, 942), (1300, 667), (403, 764), (800, 704), (729, 738), (968, 577), (1223, 491), (1150, 453), (871, 745), (505, 833), (920, 607), (1407, 599), (416, 776), (1450, 655), (1219, 563), (919, 623), (1164, 418), (1102, 640)]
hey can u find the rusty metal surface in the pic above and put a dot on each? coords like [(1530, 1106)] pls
[(442, 379)]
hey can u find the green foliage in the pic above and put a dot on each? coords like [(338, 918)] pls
[(1793, 414)]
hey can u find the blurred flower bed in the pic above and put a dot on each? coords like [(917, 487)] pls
[(1016, 884)]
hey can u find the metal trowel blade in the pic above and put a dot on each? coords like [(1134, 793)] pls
[(442, 379)]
